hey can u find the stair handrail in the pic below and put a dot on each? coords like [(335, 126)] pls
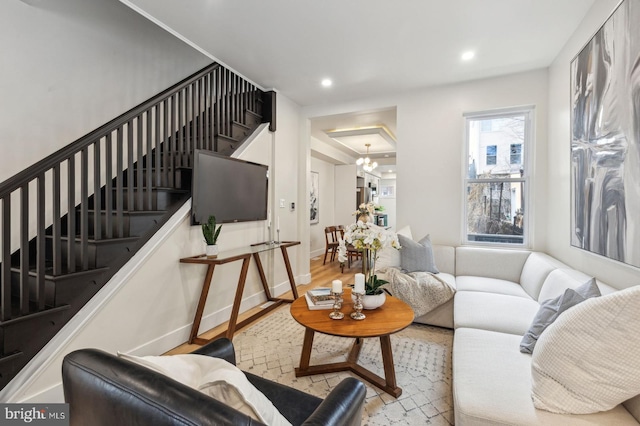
[(28, 174)]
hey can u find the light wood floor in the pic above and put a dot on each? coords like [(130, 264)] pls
[(321, 276)]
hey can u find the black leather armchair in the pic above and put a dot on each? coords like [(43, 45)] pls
[(103, 389)]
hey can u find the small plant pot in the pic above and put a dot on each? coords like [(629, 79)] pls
[(211, 251), (372, 301)]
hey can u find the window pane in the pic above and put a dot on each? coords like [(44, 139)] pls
[(516, 153), (491, 158), (495, 212), (491, 153)]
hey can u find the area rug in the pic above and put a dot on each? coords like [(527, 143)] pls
[(422, 356)]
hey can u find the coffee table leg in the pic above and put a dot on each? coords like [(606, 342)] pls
[(305, 356), (389, 369), (354, 354)]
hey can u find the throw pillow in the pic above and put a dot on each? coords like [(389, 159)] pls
[(417, 257), (217, 378), (389, 257), (587, 360), (552, 308)]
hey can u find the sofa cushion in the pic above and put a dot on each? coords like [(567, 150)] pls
[(217, 378), (389, 257), (587, 360), (535, 271), (551, 309), (490, 285), (559, 280), (494, 312), (492, 385), (445, 258), (493, 263), (417, 256)]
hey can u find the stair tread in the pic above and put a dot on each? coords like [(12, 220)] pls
[(48, 272), (98, 242), (132, 212), (16, 317), (10, 356)]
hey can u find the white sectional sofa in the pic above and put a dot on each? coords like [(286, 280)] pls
[(498, 293)]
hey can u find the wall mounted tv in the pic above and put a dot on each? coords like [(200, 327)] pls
[(233, 190)]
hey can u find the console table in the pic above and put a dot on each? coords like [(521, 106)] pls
[(245, 255)]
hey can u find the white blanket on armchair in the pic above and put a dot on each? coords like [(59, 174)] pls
[(423, 291)]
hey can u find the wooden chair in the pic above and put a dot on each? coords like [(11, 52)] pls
[(332, 234), (353, 254)]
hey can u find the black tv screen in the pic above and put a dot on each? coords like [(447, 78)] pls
[(233, 190)]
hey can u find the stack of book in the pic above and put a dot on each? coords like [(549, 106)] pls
[(319, 298)]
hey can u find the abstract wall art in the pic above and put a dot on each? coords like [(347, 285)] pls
[(605, 139), (314, 193)]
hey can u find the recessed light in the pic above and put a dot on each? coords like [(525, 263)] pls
[(326, 82), (468, 55)]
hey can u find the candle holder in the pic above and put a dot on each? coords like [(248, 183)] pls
[(337, 304), (278, 240), (357, 305)]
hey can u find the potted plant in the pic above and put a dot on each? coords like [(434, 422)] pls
[(211, 233)]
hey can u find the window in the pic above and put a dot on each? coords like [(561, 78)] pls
[(516, 153), (496, 177), (492, 155)]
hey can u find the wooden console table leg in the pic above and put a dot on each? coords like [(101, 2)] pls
[(203, 299), (263, 278), (287, 264), (238, 299)]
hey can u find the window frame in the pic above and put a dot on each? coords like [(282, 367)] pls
[(526, 178)]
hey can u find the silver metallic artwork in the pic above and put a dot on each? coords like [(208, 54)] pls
[(605, 132)]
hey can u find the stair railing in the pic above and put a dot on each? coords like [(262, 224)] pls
[(141, 149)]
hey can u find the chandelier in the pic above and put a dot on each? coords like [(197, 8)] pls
[(365, 162)]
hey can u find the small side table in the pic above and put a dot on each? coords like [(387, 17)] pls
[(245, 255)]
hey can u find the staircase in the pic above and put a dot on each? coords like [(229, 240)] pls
[(72, 220)]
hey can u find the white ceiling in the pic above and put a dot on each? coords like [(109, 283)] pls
[(368, 47)]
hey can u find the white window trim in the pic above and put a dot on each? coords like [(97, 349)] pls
[(527, 151)]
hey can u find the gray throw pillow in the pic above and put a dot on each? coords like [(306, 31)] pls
[(551, 309), (417, 257)]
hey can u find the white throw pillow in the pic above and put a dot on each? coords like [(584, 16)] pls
[(389, 257), (217, 378), (587, 360)]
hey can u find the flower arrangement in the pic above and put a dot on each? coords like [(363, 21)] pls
[(368, 238), (367, 209)]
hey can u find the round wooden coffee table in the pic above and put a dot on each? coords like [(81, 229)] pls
[(390, 318)]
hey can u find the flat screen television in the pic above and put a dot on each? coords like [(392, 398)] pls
[(233, 190)]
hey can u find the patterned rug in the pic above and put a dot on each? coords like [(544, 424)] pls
[(422, 356)]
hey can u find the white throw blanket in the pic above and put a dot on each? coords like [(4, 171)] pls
[(423, 291)]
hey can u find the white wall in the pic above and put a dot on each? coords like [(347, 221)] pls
[(430, 132), (558, 189), (70, 66), (326, 205)]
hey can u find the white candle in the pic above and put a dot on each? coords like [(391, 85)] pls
[(336, 286), (269, 219), (359, 285), (278, 227)]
